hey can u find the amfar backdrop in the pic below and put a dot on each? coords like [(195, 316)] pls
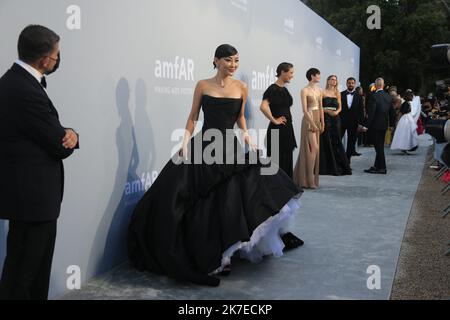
[(125, 84)]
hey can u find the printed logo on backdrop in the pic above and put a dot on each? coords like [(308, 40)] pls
[(262, 79), (319, 43), (240, 4), (289, 26), (352, 60), (178, 72), (134, 189), (339, 54)]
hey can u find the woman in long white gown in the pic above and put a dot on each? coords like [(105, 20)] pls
[(405, 136)]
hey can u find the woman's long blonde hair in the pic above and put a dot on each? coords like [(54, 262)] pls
[(336, 89)]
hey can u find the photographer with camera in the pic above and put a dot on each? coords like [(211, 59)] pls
[(437, 123)]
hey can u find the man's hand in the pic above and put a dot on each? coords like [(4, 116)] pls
[(70, 140)]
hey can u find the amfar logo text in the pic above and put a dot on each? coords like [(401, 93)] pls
[(179, 69), (262, 80), (142, 184)]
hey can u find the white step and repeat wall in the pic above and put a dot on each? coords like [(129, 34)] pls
[(126, 80)]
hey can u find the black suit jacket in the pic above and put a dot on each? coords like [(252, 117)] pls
[(31, 151), (380, 110), (353, 116)]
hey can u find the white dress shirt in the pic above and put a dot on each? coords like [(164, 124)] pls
[(350, 98), (36, 74)]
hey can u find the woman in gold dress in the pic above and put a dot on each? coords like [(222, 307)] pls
[(306, 172)]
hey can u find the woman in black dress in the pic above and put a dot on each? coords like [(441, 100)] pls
[(197, 214), (333, 159), (276, 105)]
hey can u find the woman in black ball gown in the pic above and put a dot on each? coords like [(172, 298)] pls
[(197, 214), (333, 159)]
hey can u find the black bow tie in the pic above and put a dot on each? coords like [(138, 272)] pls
[(43, 82), (350, 93)]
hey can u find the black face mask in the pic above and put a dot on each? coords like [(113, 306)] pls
[(56, 65)]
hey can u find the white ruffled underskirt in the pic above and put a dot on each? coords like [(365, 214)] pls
[(266, 239)]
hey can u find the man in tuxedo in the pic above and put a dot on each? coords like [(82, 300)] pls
[(352, 115), (380, 113), (33, 144)]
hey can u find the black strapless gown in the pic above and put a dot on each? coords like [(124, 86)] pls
[(196, 216), (333, 159)]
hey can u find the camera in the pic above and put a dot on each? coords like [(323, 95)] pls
[(440, 55), (443, 90), (438, 129)]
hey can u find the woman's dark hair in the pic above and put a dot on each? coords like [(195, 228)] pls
[(224, 50), (284, 67), (36, 42), (312, 72), (359, 90), (409, 96)]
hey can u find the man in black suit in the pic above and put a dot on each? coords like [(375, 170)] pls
[(352, 115), (33, 144), (380, 113)]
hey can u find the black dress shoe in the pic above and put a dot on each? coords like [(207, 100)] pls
[(356, 154), (371, 170), (291, 241), (376, 171)]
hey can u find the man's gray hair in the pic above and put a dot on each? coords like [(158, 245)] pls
[(379, 82)]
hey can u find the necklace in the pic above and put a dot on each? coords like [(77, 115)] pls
[(222, 83)]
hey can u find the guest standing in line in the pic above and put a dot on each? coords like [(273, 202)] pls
[(352, 116), (381, 114), (276, 106), (33, 144), (333, 160), (306, 172)]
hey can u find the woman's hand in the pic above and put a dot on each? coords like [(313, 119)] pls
[(183, 153), (313, 128), (279, 121), (249, 142)]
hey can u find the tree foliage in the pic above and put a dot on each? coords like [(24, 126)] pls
[(400, 50)]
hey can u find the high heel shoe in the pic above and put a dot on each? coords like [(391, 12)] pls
[(226, 270), (291, 241)]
